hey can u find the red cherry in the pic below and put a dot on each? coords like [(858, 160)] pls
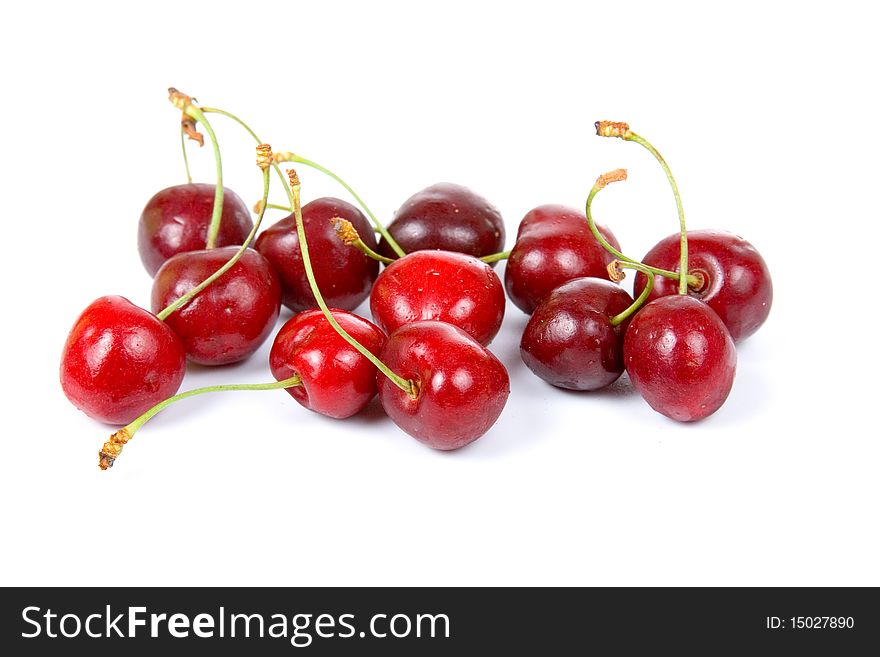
[(448, 217), (337, 380), (119, 360), (176, 220), (735, 280), (680, 357), (441, 285), (553, 246), (462, 387), (570, 341), (229, 320), (344, 274)]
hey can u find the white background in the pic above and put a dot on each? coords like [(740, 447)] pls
[(768, 116)]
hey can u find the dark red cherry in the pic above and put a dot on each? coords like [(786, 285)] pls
[(119, 361), (337, 380), (344, 274), (448, 217), (176, 220), (553, 246), (230, 319), (680, 357), (570, 341), (462, 387), (735, 280), (441, 285)]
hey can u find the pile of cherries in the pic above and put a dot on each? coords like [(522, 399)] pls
[(436, 304)]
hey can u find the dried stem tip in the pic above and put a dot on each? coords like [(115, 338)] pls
[(112, 448), (286, 156), (258, 206), (615, 273), (264, 156), (179, 99), (618, 175), (294, 179), (613, 129), (345, 230)]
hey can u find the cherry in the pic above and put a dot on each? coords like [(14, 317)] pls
[(553, 245), (460, 386), (572, 340), (680, 357), (733, 277), (119, 360), (441, 285), (336, 380), (448, 217), (344, 274), (233, 317), (176, 220)]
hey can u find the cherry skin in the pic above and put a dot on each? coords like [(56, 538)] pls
[(344, 274), (448, 217), (119, 361), (570, 341), (462, 387), (230, 319), (176, 220), (337, 380), (440, 285), (735, 280), (553, 246), (680, 357)]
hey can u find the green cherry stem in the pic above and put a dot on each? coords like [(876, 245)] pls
[(264, 156), (407, 386), (113, 447), (622, 131), (603, 181), (292, 157), (186, 104), (382, 230), (616, 273), (495, 257), (189, 177)]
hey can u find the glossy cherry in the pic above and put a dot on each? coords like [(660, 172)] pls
[(177, 218), (680, 357), (119, 360), (570, 340), (734, 279), (441, 285), (448, 217), (553, 245), (461, 387), (228, 321), (337, 380), (345, 275)]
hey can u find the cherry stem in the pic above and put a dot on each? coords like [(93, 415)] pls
[(682, 282), (603, 181), (214, 110), (291, 157), (189, 177), (113, 447), (495, 257), (622, 131), (264, 151), (640, 300), (346, 232), (214, 228), (407, 386)]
